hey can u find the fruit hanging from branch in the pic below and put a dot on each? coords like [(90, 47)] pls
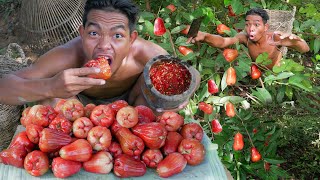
[(231, 76), (212, 87), (230, 54), (255, 72), (158, 28), (238, 143), (221, 28)]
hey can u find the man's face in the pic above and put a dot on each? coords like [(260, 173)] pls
[(255, 27), (107, 34)]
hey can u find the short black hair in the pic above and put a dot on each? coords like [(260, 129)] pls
[(125, 7), (260, 12)]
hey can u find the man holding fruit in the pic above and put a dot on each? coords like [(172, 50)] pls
[(104, 64), (257, 38)]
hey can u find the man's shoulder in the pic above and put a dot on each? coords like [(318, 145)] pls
[(143, 50)]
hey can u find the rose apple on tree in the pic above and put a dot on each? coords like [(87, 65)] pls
[(185, 50), (230, 54), (158, 28), (221, 28), (206, 108), (231, 76), (255, 155), (255, 72), (212, 87), (185, 30), (238, 143), (216, 126), (230, 110), (171, 7)]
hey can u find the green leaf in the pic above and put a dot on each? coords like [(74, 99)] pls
[(288, 65), (178, 29), (316, 45), (224, 81), (263, 59), (283, 75), (274, 161), (301, 81), (289, 92), (263, 95), (146, 16), (280, 94), (149, 27), (233, 99), (207, 62)]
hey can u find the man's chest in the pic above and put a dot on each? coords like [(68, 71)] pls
[(255, 51)]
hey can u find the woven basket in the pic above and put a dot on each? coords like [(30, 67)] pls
[(281, 20), (9, 114), (49, 23)]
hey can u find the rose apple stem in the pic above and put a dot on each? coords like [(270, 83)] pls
[(172, 45), (261, 82), (246, 130)]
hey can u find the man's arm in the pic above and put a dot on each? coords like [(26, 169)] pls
[(218, 41), (289, 40), (52, 75)]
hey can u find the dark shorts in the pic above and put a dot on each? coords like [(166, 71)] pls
[(87, 100)]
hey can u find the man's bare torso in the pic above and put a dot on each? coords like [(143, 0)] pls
[(255, 49)]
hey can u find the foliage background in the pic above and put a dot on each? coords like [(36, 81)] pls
[(281, 117), (283, 110)]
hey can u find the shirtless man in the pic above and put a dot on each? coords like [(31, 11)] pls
[(108, 30), (257, 38)]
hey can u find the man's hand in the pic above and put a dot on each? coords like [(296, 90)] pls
[(71, 82), (283, 39), (200, 37)]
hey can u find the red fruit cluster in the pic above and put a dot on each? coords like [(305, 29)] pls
[(103, 64), (170, 77), (116, 138)]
